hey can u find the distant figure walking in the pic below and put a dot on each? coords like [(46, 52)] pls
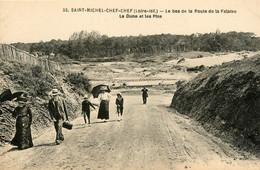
[(144, 95), (103, 112), (86, 109), (120, 106), (58, 112), (23, 115)]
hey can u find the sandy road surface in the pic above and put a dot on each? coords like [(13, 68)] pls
[(151, 136)]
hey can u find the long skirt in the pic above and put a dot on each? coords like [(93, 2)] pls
[(103, 112), (23, 136)]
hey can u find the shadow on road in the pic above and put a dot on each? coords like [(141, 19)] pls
[(108, 121), (10, 150), (46, 144), (141, 104), (14, 149), (80, 127)]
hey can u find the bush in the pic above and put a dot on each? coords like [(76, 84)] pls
[(60, 58), (196, 68), (80, 82), (37, 71)]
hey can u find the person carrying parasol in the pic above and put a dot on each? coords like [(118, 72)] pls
[(103, 93), (23, 115)]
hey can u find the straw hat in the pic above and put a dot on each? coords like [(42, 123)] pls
[(85, 97), (54, 92)]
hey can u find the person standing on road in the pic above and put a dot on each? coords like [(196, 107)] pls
[(23, 115), (144, 95), (86, 108), (120, 106), (58, 112), (103, 112)]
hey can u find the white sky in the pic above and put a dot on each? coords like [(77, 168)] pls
[(32, 21)]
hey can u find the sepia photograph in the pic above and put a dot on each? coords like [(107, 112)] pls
[(140, 84)]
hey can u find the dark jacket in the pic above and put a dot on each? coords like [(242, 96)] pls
[(58, 109), (23, 111), (145, 92), (86, 106), (120, 103)]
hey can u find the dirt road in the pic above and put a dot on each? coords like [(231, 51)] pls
[(150, 136)]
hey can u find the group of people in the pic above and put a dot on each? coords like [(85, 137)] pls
[(58, 113), (103, 112)]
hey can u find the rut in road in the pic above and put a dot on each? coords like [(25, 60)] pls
[(150, 136)]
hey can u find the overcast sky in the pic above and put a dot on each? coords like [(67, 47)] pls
[(33, 21)]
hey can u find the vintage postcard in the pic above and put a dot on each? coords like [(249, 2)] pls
[(140, 84)]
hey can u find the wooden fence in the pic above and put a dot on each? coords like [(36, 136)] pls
[(9, 52)]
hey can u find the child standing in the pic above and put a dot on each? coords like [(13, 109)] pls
[(86, 108), (120, 106)]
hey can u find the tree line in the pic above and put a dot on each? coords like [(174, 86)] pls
[(85, 44)]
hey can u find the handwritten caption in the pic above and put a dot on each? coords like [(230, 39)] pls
[(147, 13)]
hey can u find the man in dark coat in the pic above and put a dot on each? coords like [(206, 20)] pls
[(58, 112), (144, 95)]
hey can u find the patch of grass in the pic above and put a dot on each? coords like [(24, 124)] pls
[(31, 78)]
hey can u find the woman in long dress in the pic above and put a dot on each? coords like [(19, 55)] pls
[(103, 112), (23, 115)]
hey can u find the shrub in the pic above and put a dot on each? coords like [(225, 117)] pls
[(80, 81), (37, 71), (196, 68), (60, 58)]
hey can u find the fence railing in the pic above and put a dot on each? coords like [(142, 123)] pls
[(9, 52)]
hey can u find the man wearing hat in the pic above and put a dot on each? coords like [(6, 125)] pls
[(86, 108), (58, 112)]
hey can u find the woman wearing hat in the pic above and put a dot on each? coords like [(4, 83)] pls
[(23, 115), (103, 112), (86, 108)]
